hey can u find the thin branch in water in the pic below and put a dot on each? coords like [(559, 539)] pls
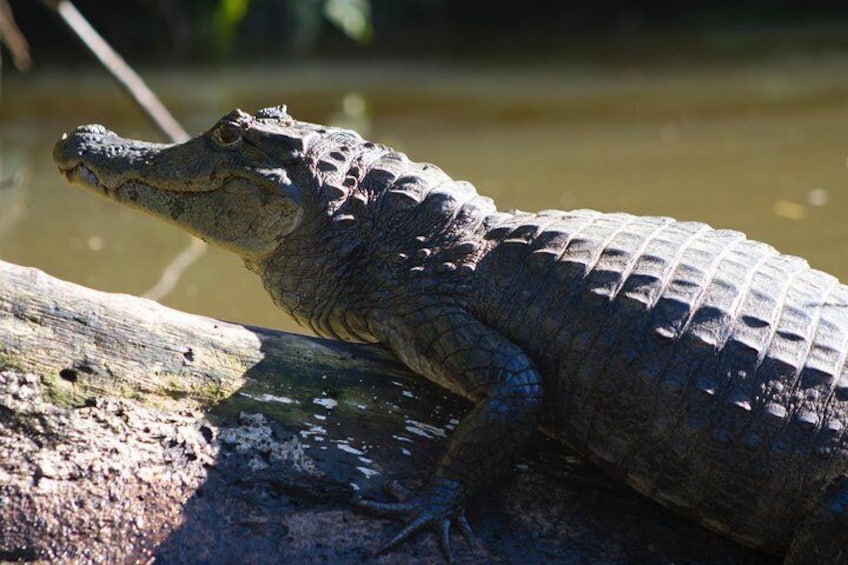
[(174, 271)]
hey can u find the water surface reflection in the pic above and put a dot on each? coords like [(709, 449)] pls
[(758, 146)]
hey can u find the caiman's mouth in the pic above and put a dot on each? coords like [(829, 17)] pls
[(82, 175), (104, 163)]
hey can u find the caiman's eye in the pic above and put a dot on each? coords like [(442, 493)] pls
[(227, 134)]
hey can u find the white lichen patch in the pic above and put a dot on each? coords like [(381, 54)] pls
[(255, 438), (424, 430), (270, 398), (314, 431), (348, 449), (327, 403), (368, 472)]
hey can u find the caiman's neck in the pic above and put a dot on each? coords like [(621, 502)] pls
[(382, 216), (312, 280)]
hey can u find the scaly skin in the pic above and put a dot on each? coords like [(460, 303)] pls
[(704, 369)]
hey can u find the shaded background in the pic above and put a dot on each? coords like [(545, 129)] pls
[(191, 31), (733, 113)]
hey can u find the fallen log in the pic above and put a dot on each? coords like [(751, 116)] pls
[(131, 432)]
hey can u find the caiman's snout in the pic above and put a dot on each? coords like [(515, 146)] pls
[(100, 159), (75, 154), (73, 148), (217, 186)]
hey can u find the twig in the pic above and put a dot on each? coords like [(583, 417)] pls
[(150, 105), (119, 69), (12, 37)]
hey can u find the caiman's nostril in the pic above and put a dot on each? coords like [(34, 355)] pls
[(91, 128)]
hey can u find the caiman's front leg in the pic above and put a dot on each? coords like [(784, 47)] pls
[(457, 351)]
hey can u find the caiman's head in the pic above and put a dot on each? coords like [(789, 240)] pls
[(235, 186)]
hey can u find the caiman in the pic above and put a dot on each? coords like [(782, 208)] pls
[(706, 370)]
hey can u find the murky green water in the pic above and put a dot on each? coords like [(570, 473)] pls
[(759, 146)]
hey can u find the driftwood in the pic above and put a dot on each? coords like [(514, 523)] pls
[(131, 432)]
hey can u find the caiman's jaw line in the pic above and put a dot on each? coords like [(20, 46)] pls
[(82, 175)]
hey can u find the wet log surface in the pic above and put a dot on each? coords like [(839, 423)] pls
[(130, 431)]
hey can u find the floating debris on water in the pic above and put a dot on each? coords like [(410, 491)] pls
[(789, 210), (818, 197)]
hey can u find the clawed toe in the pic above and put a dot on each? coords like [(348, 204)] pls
[(437, 508)]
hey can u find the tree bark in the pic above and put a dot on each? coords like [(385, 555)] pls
[(130, 431)]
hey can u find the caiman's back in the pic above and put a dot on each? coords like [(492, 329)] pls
[(705, 369)]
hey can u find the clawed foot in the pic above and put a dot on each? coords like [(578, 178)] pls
[(440, 504)]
